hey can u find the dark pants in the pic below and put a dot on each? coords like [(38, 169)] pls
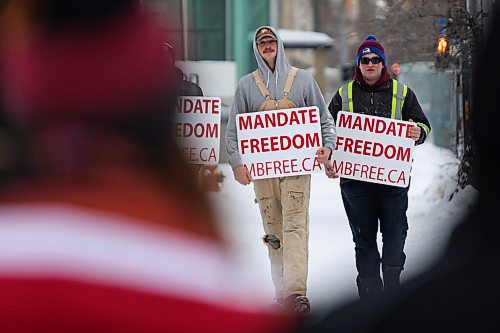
[(366, 204)]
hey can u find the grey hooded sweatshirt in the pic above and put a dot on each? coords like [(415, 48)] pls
[(304, 92)]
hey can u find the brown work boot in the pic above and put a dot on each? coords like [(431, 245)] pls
[(298, 303)]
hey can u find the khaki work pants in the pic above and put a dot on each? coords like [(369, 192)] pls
[(284, 207)]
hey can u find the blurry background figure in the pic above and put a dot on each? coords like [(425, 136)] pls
[(103, 227), (210, 178), (395, 70), (459, 293), (187, 87)]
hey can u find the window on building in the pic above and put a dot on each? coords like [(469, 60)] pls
[(206, 30)]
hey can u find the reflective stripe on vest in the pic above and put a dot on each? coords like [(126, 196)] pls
[(347, 101), (399, 91)]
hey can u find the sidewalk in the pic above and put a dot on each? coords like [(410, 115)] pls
[(331, 259)]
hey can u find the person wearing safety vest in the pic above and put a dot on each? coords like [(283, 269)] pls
[(373, 92), (283, 201)]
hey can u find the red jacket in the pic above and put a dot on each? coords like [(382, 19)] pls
[(118, 256)]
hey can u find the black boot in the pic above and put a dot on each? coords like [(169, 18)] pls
[(391, 278), (369, 287)]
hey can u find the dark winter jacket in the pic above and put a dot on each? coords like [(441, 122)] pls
[(186, 87), (377, 102)]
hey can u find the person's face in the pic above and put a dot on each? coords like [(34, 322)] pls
[(268, 48), (371, 71)]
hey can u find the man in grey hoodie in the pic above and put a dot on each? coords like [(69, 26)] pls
[(283, 201)]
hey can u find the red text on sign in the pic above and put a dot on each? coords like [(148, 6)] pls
[(279, 143), (199, 105), (375, 149), (369, 172), (279, 119), (198, 130), (195, 155), (284, 167), (375, 125)]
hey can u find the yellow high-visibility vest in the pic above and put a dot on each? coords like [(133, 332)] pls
[(399, 91)]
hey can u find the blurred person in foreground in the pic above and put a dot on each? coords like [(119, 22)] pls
[(368, 205), (105, 230), (283, 201), (459, 293)]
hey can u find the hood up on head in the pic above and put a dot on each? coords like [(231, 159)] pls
[(282, 66)]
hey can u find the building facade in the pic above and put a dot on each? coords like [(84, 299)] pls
[(220, 30)]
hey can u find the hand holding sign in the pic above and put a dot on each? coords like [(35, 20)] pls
[(415, 131), (330, 171), (242, 175), (323, 154), (210, 178)]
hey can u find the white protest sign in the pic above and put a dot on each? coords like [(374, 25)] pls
[(280, 143), (197, 128), (373, 149)]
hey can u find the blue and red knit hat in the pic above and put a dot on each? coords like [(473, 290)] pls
[(371, 45)]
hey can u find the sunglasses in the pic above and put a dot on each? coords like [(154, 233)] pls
[(374, 60)]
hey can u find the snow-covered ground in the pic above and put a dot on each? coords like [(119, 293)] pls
[(432, 217)]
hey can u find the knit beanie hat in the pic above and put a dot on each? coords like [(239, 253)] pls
[(371, 45)]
